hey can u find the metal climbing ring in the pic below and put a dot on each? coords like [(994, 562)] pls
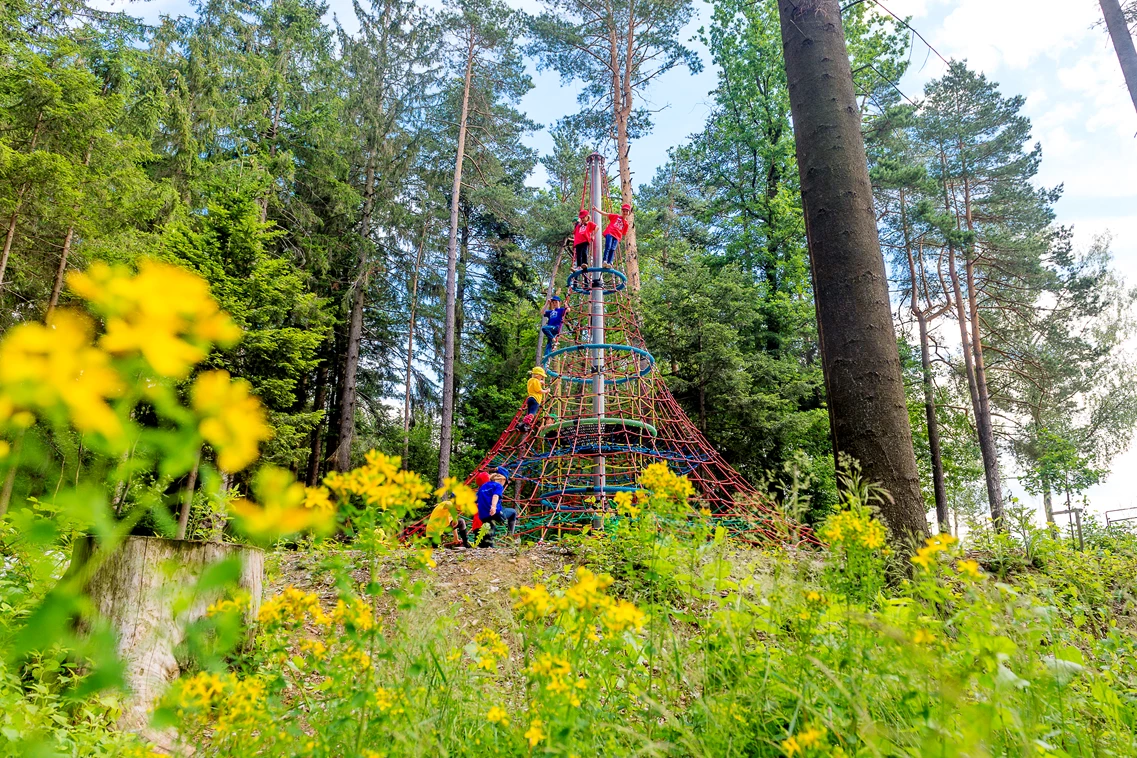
[(622, 280), (599, 346)]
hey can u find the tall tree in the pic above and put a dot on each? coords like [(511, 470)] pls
[(389, 66), (993, 221), (617, 49), (1116, 22), (483, 35), (868, 412)]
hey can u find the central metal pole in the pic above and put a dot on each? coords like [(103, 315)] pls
[(596, 327)]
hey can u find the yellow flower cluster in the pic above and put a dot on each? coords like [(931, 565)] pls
[(556, 677), (923, 637), (388, 702), (455, 499), (587, 596), (290, 608), (356, 614), (969, 569), (624, 505), (232, 419), (44, 368), (535, 733), (236, 703), (229, 606), (926, 556), (854, 527), (489, 648), (356, 659), (802, 742), (163, 313), (662, 482), (497, 715), (381, 483), (285, 506)]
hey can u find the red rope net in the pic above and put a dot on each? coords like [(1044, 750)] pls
[(553, 466)]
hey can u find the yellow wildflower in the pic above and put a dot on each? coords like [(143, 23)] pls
[(624, 505), (623, 615), (5, 448), (163, 313), (497, 715), (357, 614), (923, 637), (465, 499), (660, 480), (535, 733), (291, 607), (44, 368), (232, 418), (969, 569), (426, 557), (533, 602), (803, 741), (588, 592), (282, 510), (226, 606)]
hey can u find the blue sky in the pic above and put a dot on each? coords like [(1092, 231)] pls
[(1050, 51)]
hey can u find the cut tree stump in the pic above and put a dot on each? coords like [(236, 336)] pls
[(141, 592)]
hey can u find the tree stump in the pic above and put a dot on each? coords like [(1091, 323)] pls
[(136, 591)]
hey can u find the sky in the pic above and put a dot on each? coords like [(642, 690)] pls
[(1053, 52)]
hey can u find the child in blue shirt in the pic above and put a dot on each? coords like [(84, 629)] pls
[(490, 508), (554, 318)]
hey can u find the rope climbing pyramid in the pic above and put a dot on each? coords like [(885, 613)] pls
[(608, 415)]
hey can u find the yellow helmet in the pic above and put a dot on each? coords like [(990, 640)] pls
[(538, 371)]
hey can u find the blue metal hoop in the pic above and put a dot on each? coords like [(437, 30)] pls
[(575, 275), (594, 346)]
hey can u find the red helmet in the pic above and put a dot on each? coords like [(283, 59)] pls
[(625, 207), (481, 478)]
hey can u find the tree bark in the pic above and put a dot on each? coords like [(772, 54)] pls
[(187, 500), (10, 234), (922, 319), (983, 423), (1122, 44), (134, 590), (411, 343), (319, 401), (446, 433), (859, 357), (548, 296), (57, 286), (348, 387)]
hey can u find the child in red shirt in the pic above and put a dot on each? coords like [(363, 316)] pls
[(614, 232), (582, 232)]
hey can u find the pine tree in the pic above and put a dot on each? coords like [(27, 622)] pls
[(617, 49)]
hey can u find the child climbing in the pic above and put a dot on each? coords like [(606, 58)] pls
[(617, 227), (536, 389), (554, 318), (490, 509), (582, 232)]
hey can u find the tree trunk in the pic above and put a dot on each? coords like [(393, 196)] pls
[(933, 427), (983, 413), (548, 296), (10, 235), (990, 456), (57, 287), (317, 441), (983, 423), (446, 433), (187, 500), (136, 590), (1122, 44), (866, 392), (411, 343), (355, 328), (926, 376)]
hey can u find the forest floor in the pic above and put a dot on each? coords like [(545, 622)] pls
[(470, 586)]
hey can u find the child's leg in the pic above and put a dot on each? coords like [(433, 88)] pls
[(531, 405), (582, 255), (510, 515), (610, 244)]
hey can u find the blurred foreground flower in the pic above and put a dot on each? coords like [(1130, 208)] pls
[(286, 507)]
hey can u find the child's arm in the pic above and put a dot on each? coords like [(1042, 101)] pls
[(493, 504)]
